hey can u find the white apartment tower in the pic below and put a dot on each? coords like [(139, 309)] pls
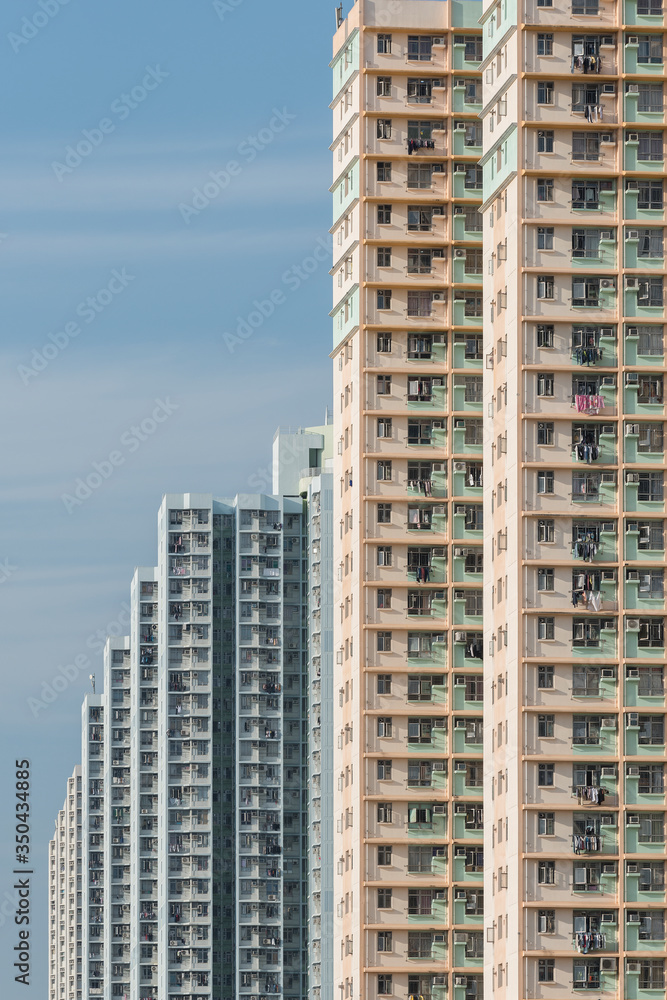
[(66, 884)]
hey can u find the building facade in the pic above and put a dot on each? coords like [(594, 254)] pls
[(407, 353), (66, 884), (193, 833), (574, 741)]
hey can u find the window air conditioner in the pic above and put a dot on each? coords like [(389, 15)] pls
[(608, 772), (609, 869), (607, 918), (630, 282), (459, 252), (632, 477), (632, 772), (633, 137), (633, 88), (633, 819), (633, 719), (608, 672), (608, 965), (632, 625), (632, 672), (438, 297), (459, 467), (631, 429), (632, 234), (632, 574), (607, 283), (632, 40), (461, 126), (608, 381), (608, 722), (632, 526), (632, 331), (608, 526), (632, 867), (607, 331)]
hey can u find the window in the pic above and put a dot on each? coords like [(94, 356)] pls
[(545, 237), (420, 175), (586, 243), (546, 922), (545, 3), (649, 7), (650, 292), (545, 578), (585, 194), (545, 970), (545, 189), (383, 685), (652, 876), (651, 828), (651, 730), (384, 941), (585, 146), (472, 219), (546, 874), (545, 775), (545, 482), (384, 44), (384, 215), (650, 148), (383, 128), (545, 676), (586, 292), (473, 432), (384, 471), (384, 723), (651, 682), (419, 730), (420, 219), (652, 584), (546, 824), (419, 902), (473, 265), (419, 261), (423, 129), (545, 726), (384, 770), (586, 632), (651, 633), (384, 513), (650, 342), (474, 561), (384, 302), (420, 47), (651, 779), (474, 178), (383, 598), (650, 96), (585, 96), (545, 47), (651, 973), (420, 91), (545, 92), (384, 856), (420, 774), (420, 943), (420, 686), (384, 642), (384, 260), (650, 487), (383, 168), (384, 814), (545, 384), (650, 243), (545, 286), (383, 85), (545, 433), (545, 628), (384, 427), (473, 47), (545, 530), (420, 859), (420, 303), (545, 335), (385, 987)]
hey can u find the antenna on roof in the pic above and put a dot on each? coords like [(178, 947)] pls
[(91, 678), (339, 15)]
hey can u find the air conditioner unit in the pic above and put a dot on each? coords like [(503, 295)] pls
[(607, 821), (608, 477), (608, 965), (459, 209), (608, 722), (632, 477), (607, 918), (633, 819), (460, 981), (632, 234), (632, 574), (609, 381), (438, 938), (609, 574), (609, 869), (632, 185), (459, 637), (459, 808), (608, 772), (632, 526), (460, 765), (632, 40), (632, 625), (632, 672), (609, 625), (632, 331), (630, 282), (632, 867), (607, 429), (459, 552), (605, 234), (459, 252), (459, 508), (440, 980), (608, 672), (438, 765), (439, 810), (437, 168), (461, 126), (633, 137), (632, 966), (633, 718), (439, 552), (607, 331), (459, 168), (459, 467), (632, 772), (633, 88), (460, 724), (459, 424), (631, 429), (607, 283), (438, 210), (438, 297), (608, 526)]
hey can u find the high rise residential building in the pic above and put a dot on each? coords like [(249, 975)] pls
[(407, 352), (66, 884), (574, 138), (192, 831)]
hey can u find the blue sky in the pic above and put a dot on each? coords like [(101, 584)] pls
[(116, 301)]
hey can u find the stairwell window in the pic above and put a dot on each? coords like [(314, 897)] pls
[(546, 628), (383, 168), (384, 385), (384, 215), (545, 45), (383, 128), (545, 237), (545, 384), (545, 482), (545, 92), (546, 875), (384, 44), (383, 89)]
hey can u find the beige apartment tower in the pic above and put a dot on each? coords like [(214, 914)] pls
[(574, 734), (408, 383)]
